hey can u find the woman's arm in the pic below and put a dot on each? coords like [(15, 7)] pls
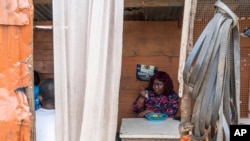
[(173, 105), (139, 104), (142, 114)]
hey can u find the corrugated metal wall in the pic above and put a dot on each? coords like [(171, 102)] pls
[(16, 24)]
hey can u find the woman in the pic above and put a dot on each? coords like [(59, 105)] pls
[(158, 97)]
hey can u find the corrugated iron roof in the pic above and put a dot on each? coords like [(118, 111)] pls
[(43, 12), (153, 13), (157, 10)]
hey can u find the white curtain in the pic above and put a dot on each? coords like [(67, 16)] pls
[(87, 38)]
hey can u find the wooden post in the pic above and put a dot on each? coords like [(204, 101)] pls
[(186, 46), (30, 98)]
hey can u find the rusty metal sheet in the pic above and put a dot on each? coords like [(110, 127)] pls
[(16, 51), (15, 12)]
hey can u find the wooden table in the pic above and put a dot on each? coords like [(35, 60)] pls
[(141, 129)]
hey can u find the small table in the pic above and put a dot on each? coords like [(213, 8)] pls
[(141, 129), (245, 121)]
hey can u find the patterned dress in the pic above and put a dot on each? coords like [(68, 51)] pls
[(159, 104)]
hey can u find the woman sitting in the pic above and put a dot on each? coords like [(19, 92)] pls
[(158, 97)]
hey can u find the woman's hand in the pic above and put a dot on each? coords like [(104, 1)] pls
[(143, 92), (141, 114)]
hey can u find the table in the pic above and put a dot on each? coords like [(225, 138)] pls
[(244, 121), (141, 129)]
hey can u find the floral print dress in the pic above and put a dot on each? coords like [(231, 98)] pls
[(159, 104)]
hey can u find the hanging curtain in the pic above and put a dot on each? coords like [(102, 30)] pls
[(87, 63)]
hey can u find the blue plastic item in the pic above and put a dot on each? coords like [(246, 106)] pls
[(156, 116), (36, 96)]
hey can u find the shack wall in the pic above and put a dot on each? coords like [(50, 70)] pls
[(144, 42), (43, 53), (152, 43)]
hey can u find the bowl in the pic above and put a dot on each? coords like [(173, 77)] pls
[(156, 116)]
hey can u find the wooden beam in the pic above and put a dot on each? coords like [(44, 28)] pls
[(43, 23), (42, 1), (136, 3), (152, 3)]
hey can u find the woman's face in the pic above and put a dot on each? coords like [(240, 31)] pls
[(158, 86)]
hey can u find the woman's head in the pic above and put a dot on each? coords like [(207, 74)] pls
[(161, 83)]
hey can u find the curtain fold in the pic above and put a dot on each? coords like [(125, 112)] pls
[(87, 62)]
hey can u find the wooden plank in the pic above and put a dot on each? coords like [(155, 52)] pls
[(43, 23), (128, 96), (44, 36), (44, 66), (126, 115), (152, 3), (42, 1), (151, 38), (44, 76), (186, 43), (131, 84), (188, 36), (150, 60), (43, 55), (131, 71), (126, 108), (44, 46), (133, 81), (132, 3)]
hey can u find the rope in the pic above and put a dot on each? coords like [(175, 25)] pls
[(212, 74)]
